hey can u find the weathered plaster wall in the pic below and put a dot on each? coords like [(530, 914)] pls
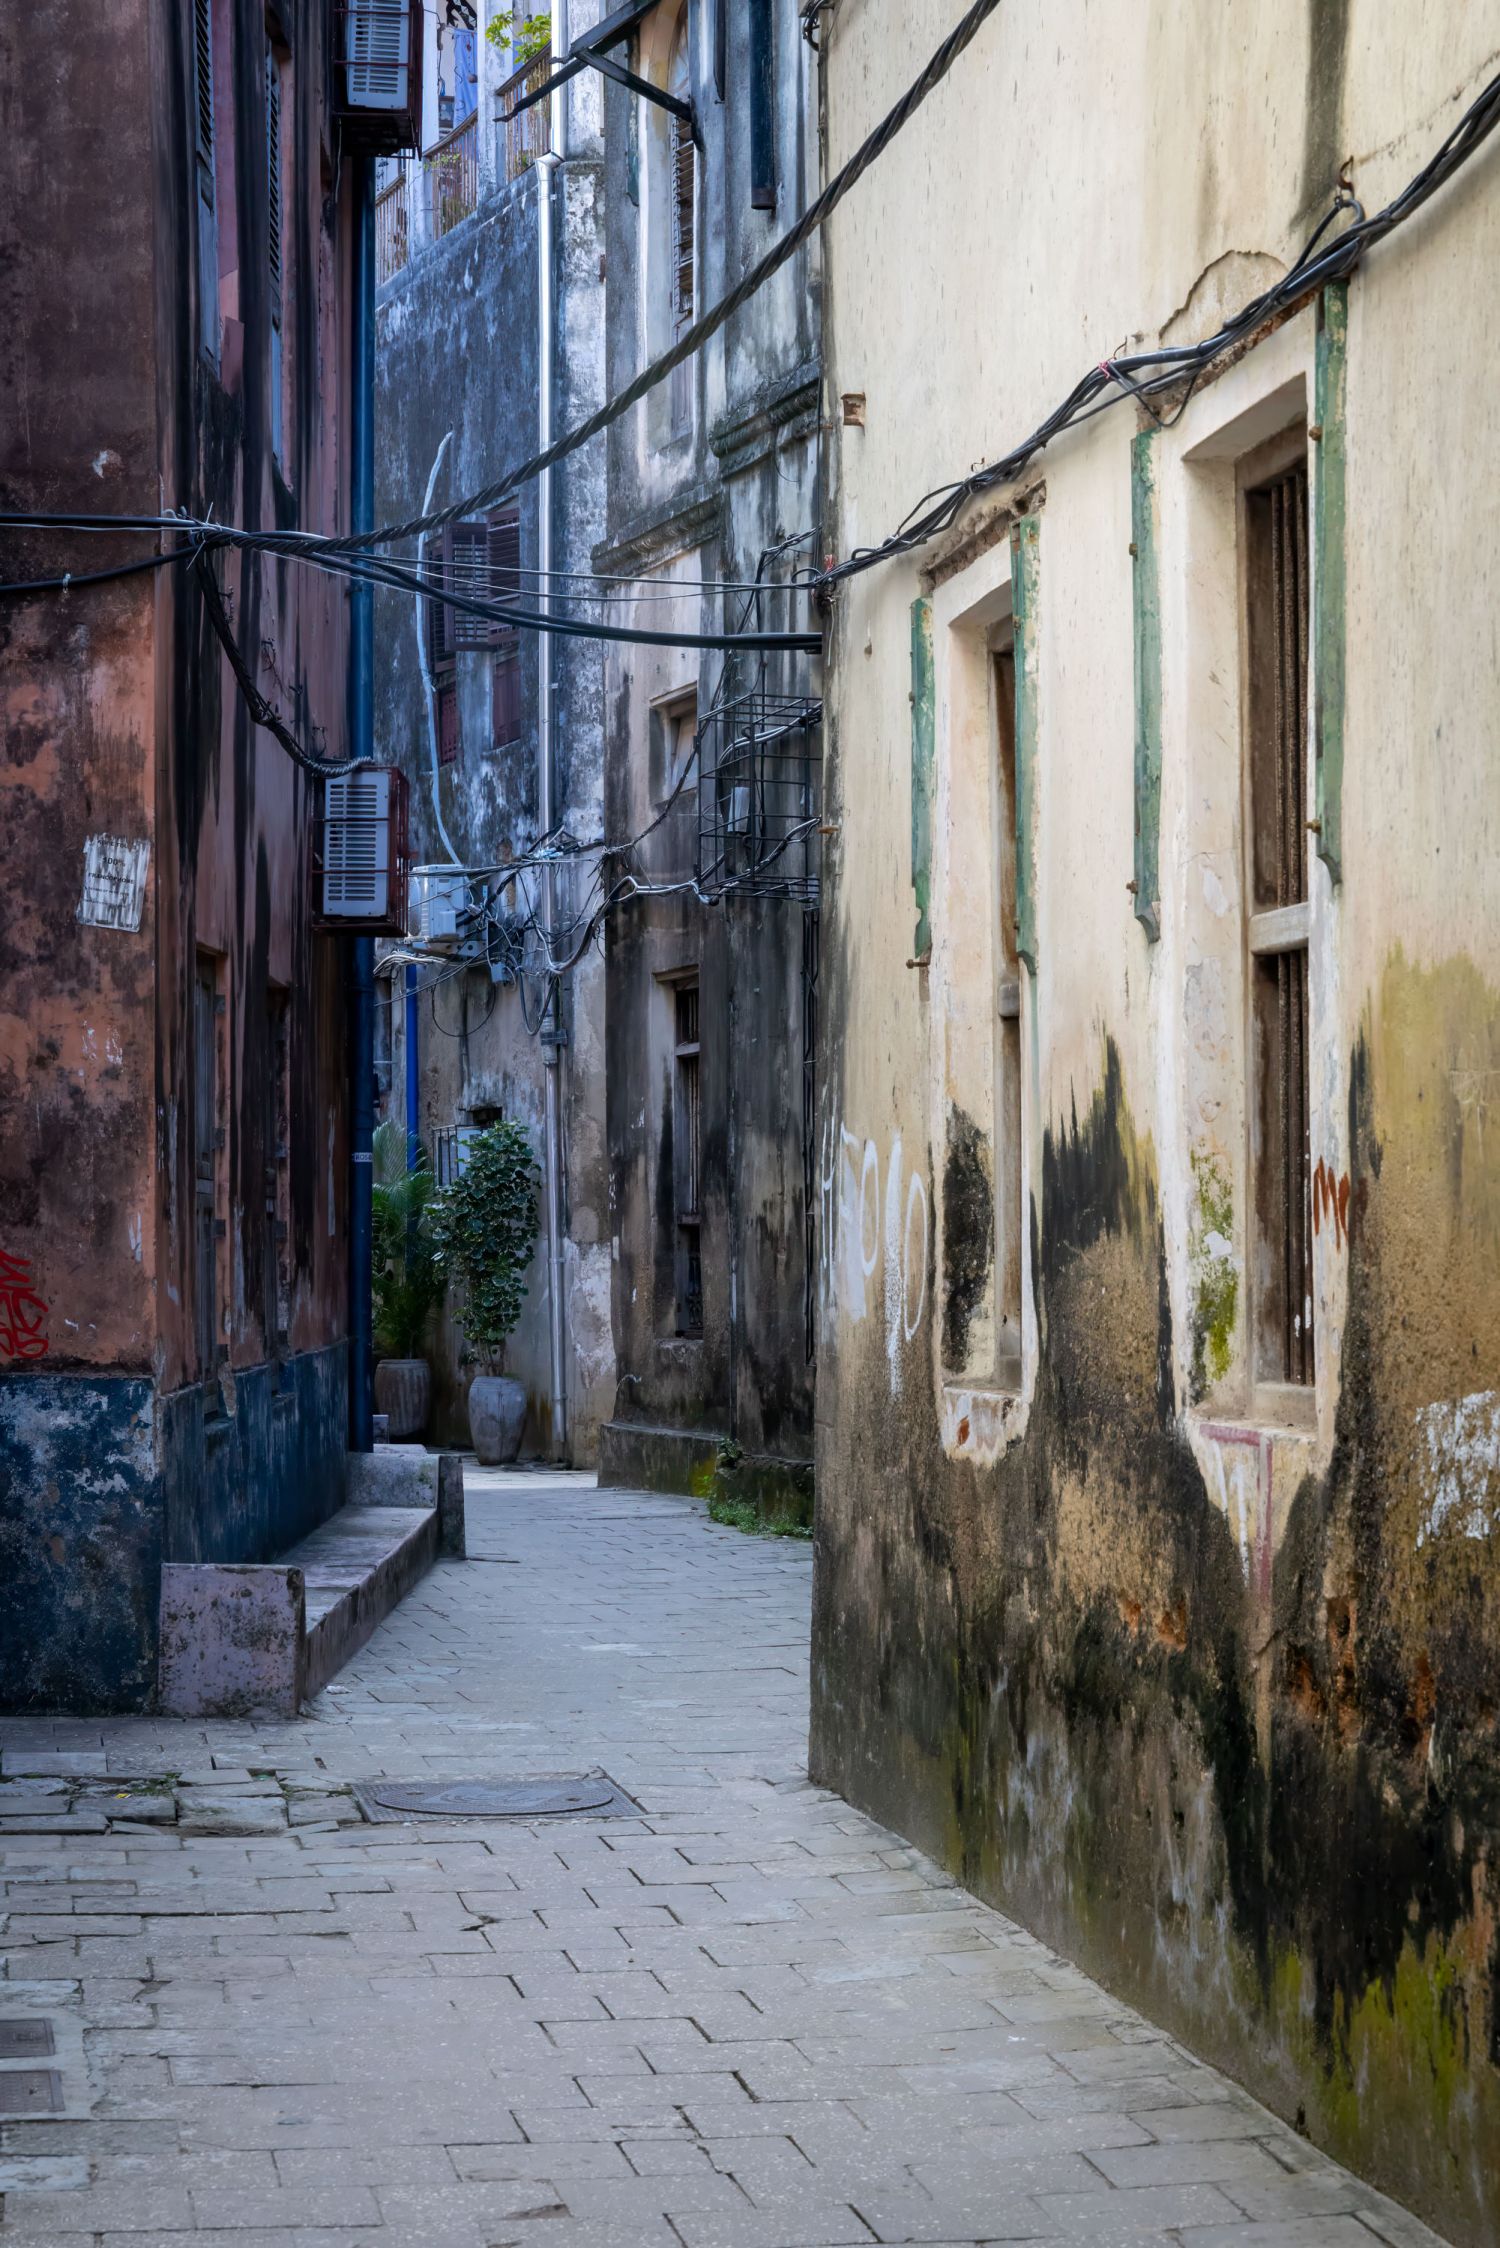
[(457, 353), (1197, 1678), (697, 495), (117, 725)]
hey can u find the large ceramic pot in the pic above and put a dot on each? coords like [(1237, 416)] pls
[(497, 1415), (403, 1392)]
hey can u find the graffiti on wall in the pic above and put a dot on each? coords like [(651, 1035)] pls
[(23, 1315), (1330, 1201), (872, 1237)]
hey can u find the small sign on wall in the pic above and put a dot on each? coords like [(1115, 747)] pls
[(114, 882)]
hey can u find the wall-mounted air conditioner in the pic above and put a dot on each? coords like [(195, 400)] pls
[(378, 57), (442, 902), (360, 856)]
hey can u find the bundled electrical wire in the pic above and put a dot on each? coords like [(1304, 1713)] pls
[(1172, 373)]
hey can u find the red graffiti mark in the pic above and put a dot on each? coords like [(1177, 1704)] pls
[(1330, 1200), (23, 1315)]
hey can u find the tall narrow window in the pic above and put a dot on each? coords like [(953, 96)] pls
[(1276, 588), (275, 1155), (466, 571), (447, 723), (683, 195), (275, 246), (505, 669), (203, 171), (205, 1163), (442, 642), (1009, 1201), (687, 1152), (762, 107)]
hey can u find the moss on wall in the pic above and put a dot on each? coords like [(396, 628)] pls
[(1055, 1673)]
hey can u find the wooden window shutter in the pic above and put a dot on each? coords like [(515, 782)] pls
[(273, 181), (203, 87), (505, 555), (505, 695), (439, 615), (447, 716), (684, 183), (468, 573)]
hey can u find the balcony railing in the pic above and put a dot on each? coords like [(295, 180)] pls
[(528, 136), (393, 227), (452, 168)]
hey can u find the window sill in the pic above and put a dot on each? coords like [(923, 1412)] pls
[(1280, 1409), (980, 1421)]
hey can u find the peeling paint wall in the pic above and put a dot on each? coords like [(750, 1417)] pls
[(1194, 1672), (146, 822)]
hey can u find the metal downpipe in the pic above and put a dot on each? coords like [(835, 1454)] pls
[(552, 1029), (362, 744)]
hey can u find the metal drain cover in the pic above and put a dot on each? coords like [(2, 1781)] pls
[(543, 1796)]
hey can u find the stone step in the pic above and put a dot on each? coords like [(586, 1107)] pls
[(240, 1638), (354, 1570)]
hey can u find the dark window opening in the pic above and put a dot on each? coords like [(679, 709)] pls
[(1009, 1199), (687, 1144), (207, 1140), (277, 1171), (1276, 580)]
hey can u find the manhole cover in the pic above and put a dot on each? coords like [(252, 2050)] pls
[(544, 1796)]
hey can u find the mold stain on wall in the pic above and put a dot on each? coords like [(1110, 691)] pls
[(1051, 1673)]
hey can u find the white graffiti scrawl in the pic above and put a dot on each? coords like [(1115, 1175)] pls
[(873, 1238)]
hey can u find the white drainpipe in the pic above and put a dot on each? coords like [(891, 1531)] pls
[(547, 769)]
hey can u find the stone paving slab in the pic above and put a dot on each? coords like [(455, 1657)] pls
[(742, 2016)]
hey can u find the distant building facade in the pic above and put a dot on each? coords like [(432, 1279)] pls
[(173, 1146), (712, 761), (458, 699), (1158, 1543)]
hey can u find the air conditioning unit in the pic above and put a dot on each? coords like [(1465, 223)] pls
[(442, 902), (360, 854), (379, 64)]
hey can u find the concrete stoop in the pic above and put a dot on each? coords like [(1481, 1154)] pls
[(243, 1637)]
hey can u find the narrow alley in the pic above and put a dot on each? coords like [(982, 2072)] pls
[(729, 2013)]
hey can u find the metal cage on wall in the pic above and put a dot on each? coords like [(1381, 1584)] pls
[(760, 796)]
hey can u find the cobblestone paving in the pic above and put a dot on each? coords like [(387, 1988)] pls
[(747, 2017)]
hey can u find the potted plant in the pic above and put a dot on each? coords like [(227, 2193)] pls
[(483, 1230), (405, 1280)]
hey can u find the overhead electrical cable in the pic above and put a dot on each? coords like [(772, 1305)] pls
[(693, 338), (1149, 375), (264, 713), (386, 570)]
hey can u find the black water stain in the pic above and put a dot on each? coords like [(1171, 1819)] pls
[(968, 1231)]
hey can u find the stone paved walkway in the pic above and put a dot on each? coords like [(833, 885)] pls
[(748, 2017)]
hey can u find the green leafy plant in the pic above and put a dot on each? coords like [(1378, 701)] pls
[(525, 39), (483, 1230), (737, 1509), (405, 1279)]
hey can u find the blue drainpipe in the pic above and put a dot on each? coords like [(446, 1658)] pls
[(362, 744)]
